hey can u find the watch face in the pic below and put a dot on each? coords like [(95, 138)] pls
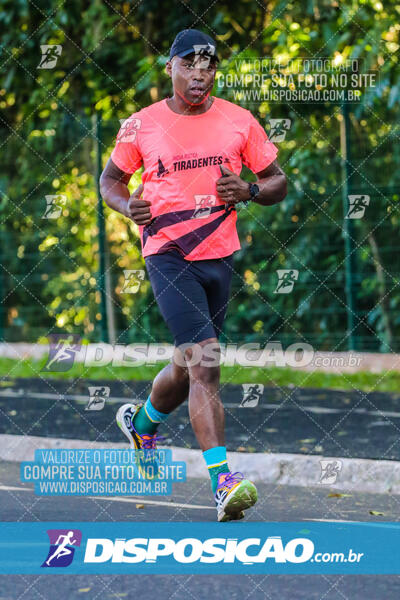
[(254, 190)]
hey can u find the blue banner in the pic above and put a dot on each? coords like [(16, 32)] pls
[(186, 548)]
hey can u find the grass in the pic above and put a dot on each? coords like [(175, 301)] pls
[(271, 376)]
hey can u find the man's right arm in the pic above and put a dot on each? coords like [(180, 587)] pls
[(114, 187), (115, 193)]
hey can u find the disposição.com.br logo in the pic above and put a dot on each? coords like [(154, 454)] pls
[(62, 547)]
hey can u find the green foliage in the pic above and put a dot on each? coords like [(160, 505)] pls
[(112, 61)]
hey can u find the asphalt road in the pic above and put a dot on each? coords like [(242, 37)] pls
[(289, 420), (302, 421), (277, 503), (200, 587)]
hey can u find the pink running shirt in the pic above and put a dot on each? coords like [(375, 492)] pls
[(181, 155)]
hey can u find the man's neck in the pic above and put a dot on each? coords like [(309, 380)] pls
[(180, 106)]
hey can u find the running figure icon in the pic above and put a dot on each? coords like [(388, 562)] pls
[(62, 549)]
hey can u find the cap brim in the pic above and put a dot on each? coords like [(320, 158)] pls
[(191, 51)]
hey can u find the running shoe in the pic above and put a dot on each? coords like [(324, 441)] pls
[(144, 442), (233, 495)]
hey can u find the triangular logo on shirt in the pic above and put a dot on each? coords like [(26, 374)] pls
[(161, 169)]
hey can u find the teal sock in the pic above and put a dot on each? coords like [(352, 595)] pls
[(148, 418), (216, 463)]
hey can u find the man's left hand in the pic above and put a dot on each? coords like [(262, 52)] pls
[(231, 188)]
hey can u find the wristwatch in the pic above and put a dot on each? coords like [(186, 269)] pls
[(254, 191)]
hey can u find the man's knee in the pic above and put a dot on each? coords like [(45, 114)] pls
[(203, 361), (180, 374), (207, 352), (206, 375)]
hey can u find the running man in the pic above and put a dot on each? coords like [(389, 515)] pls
[(192, 147)]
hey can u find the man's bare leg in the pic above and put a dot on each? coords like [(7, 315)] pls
[(233, 494), (200, 381), (170, 389), (206, 410), (171, 385)]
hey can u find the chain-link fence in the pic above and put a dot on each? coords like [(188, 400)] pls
[(322, 267)]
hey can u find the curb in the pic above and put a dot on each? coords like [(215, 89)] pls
[(356, 474)]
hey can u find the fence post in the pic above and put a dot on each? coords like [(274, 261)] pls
[(2, 290), (348, 229), (102, 232), (3, 246)]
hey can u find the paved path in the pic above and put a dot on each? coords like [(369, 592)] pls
[(302, 421), (18, 502)]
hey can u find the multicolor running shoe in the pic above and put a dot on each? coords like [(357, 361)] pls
[(145, 442), (233, 495)]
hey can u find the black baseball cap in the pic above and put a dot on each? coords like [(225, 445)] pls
[(188, 42)]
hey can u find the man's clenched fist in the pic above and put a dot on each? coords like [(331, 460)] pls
[(138, 209), (231, 188)]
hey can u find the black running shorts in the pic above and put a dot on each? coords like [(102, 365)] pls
[(192, 295)]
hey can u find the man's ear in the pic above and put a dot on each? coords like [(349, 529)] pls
[(168, 68)]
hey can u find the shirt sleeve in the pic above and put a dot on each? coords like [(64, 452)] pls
[(126, 154), (258, 152)]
